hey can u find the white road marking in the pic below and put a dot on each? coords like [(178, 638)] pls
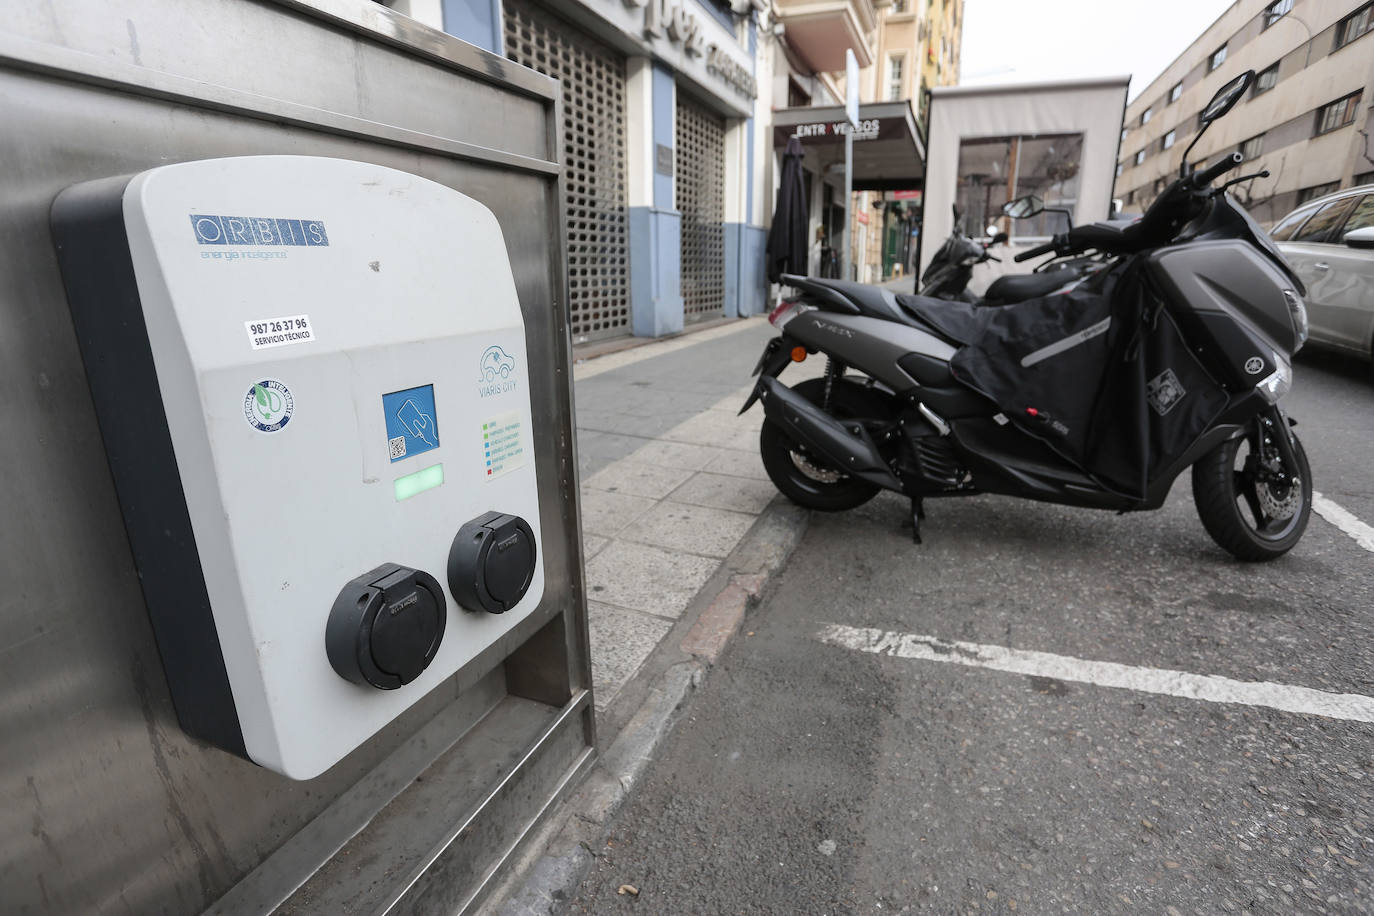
[(1352, 706), (1342, 519)]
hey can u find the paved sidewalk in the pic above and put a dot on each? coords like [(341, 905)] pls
[(671, 483), (682, 530)]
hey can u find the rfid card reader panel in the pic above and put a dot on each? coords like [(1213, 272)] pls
[(312, 382)]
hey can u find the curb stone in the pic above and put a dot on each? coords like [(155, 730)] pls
[(561, 852)]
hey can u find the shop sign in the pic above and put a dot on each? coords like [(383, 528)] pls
[(869, 129), (675, 21), (907, 195)]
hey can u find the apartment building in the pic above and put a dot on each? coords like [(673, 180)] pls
[(1306, 119), (918, 48)]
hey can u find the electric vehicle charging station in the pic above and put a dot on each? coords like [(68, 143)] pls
[(289, 642), (314, 436)]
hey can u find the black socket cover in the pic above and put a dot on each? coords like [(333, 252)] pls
[(386, 626), (491, 562)]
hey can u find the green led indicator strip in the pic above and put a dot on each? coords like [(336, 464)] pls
[(419, 482)]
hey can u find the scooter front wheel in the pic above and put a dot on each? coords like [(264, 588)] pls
[(1251, 505), (807, 479)]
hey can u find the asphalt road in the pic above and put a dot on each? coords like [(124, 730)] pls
[(811, 778)]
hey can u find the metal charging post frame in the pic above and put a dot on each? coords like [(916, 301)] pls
[(429, 780)]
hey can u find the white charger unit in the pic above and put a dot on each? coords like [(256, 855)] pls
[(312, 383)]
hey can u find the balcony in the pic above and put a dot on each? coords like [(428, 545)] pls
[(820, 31)]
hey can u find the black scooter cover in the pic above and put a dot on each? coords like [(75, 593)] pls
[(1101, 373)]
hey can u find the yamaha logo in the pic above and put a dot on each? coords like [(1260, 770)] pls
[(1254, 365)]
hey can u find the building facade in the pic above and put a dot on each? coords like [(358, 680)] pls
[(1306, 119), (661, 103), (919, 49), (903, 48)]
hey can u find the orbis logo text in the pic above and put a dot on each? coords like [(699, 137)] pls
[(257, 230)]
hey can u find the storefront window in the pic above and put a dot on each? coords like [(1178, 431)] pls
[(996, 170)]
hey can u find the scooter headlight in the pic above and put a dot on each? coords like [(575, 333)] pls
[(1298, 310), (1277, 383)]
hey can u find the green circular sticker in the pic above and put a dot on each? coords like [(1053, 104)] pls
[(268, 405)]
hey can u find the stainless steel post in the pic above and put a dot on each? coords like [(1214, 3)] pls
[(109, 807)]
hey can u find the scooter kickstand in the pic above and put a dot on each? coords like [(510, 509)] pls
[(918, 512)]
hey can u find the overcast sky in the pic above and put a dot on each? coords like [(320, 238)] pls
[(1021, 41)]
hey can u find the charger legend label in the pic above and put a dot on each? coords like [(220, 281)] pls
[(503, 444)]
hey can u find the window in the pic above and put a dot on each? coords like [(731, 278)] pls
[(1123, 135), (1217, 59), (1289, 224), (1251, 148), (1338, 114), (1362, 217), (995, 170), (1275, 11), (1267, 78), (1169, 139), (1175, 92), (898, 6), (1130, 197), (1364, 178), (1139, 157), (1145, 116), (1321, 226), (1119, 168), (1317, 190), (895, 65), (1353, 26), (1160, 185)]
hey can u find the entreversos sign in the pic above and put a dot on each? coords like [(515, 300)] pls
[(834, 131)]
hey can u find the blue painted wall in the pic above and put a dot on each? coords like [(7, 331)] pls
[(746, 281), (723, 16), (665, 131), (475, 21), (655, 271), (656, 234)]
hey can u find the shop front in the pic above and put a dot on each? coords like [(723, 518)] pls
[(888, 160), (659, 100)]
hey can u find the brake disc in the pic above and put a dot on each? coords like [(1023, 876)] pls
[(818, 474), (1275, 506)]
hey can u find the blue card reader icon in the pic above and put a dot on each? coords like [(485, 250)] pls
[(411, 422)]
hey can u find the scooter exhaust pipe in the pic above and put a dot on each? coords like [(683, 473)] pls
[(847, 446)]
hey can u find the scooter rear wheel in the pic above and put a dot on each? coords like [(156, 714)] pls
[(807, 479), (1245, 507)]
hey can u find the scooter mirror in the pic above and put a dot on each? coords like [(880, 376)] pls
[(1227, 97), (1022, 207), (997, 238)]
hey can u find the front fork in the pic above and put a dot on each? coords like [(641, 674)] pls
[(1274, 427)]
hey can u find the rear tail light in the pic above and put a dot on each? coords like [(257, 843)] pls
[(783, 313)]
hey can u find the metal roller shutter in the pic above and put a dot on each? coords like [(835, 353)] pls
[(700, 138), (593, 78)]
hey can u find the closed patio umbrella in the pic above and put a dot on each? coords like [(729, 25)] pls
[(787, 237)]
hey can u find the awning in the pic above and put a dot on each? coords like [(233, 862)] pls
[(888, 153)]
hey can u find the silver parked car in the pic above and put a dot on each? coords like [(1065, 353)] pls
[(1330, 244)]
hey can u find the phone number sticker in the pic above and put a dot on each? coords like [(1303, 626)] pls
[(279, 332)]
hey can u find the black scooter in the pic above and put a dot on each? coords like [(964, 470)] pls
[(951, 268), (1175, 356)]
